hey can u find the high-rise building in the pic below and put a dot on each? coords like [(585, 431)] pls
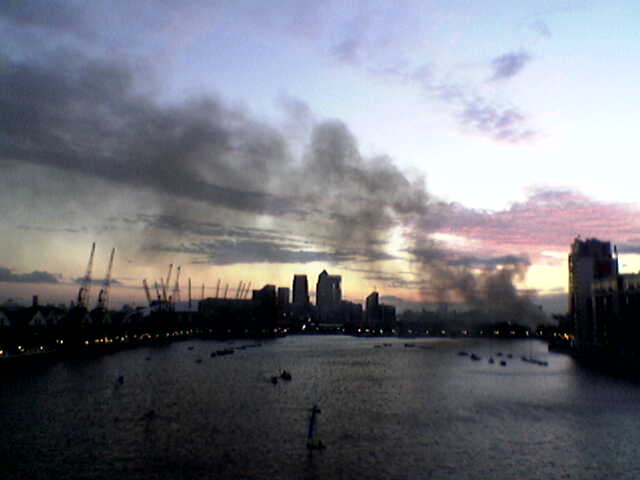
[(283, 296), (328, 291), (379, 316), (589, 260), (372, 309), (300, 291)]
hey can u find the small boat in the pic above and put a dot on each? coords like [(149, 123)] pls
[(285, 375), (503, 363), (313, 443), (474, 357), (491, 360), (463, 353), (274, 380)]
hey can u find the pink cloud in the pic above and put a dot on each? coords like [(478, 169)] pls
[(547, 220)]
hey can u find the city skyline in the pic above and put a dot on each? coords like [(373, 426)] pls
[(407, 148)]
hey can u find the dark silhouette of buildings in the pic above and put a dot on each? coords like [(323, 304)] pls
[(589, 260), (301, 310), (328, 290), (378, 316), (300, 291), (604, 305), (328, 297), (48, 329), (283, 297)]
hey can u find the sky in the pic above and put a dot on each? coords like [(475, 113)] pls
[(430, 150)]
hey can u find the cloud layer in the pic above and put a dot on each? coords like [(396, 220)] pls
[(6, 275), (509, 64), (548, 220)]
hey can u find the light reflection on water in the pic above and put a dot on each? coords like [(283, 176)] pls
[(387, 412)]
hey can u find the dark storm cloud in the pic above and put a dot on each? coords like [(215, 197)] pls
[(509, 64), (35, 228), (87, 118), (231, 249), (6, 275), (299, 119), (362, 198), (509, 260), (43, 14), (229, 252), (184, 226), (228, 244)]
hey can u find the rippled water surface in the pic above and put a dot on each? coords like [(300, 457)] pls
[(387, 412)]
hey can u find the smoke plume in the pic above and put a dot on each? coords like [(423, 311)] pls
[(91, 119)]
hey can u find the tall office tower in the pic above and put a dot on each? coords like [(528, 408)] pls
[(589, 260), (283, 296), (300, 290), (328, 291), (372, 312)]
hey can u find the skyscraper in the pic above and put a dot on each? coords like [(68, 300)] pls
[(372, 309), (328, 291), (283, 296), (589, 260), (300, 291)]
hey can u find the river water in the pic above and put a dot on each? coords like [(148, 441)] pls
[(387, 412)]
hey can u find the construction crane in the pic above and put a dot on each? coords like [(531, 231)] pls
[(165, 284), (146, 291), (164, 289), (176, 288), (189, 293), (239, 289), (85, 288), (158, 297), (218, 289), (226, 289), (246, 290), (103, 296), (242, 290), (202, 296)]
